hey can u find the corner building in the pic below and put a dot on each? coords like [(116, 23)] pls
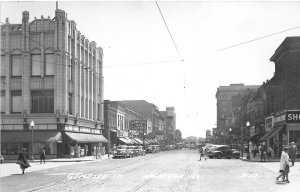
[(52, 75)]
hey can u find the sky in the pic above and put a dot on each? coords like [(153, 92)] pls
[(208, 44)]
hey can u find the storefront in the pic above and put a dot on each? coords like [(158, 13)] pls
[(58, 144), (284, 130)]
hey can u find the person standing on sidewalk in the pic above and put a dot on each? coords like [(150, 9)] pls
[(293, 152), (284, 166), (263, 151), (42, 155)]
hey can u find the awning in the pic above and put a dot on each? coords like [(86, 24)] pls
[(257, 136), (138, 140), (25, 136), (271, 133), (135, 142), (126, 140), (86, 138)]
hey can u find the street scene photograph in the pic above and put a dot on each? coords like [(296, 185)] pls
[(150, 96)]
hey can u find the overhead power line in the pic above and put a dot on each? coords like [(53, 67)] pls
[(258, 38), (169, 31)]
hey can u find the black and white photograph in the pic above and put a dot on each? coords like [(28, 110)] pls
[(150, 96)]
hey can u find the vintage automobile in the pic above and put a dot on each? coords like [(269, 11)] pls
[(140, 150), (222, 151), (122, 151), (131, 152)]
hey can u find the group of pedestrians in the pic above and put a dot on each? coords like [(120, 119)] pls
[(288, 154)]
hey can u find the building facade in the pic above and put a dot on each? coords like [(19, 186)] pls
[(51, 75), (228, 108)]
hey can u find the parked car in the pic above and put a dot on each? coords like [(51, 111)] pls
[(222, 151), (131, 152), (122, 151), (140, 150), (149, 149)]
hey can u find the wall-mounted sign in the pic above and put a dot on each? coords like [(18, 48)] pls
[(293, 116), (269, 123), (139, 125), (279, 119)]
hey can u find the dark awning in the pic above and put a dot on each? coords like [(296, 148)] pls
[(25, 136), (271, 133), (86, 138), (257, 136)]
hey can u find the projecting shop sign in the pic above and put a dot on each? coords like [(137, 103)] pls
[(138, 124)]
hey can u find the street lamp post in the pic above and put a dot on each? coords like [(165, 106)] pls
[(32, 125), (230, 136), (248, 155)]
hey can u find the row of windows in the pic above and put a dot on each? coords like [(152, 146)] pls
[(41, 102), (37, 65)]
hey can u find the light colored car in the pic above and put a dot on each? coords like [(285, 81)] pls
[(130, 150), (122, 151)]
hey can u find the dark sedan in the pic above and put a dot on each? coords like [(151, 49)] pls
[(222, 151)]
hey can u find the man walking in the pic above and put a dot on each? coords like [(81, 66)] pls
[(201, 153), (293, 152)]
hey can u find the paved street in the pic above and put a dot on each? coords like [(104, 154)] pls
[(166, 171)]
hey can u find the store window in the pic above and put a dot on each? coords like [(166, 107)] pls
[(50, 64), (16, 101), (16, 65), (36, 65), (42, 101)]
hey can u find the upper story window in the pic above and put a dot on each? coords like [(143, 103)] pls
[(42, 101), (36, 65), (16, 65), (16, 101), (50, 64), (3, 66), (3, 102)]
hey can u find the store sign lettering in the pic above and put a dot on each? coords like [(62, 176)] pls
[(280, 119), (293, 117)]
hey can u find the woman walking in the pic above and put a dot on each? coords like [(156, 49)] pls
[(284, 166), (22, 160)]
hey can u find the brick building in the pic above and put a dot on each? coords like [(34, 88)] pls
[(228, 109), (52, 75)]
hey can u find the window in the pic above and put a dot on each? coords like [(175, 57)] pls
[(3, 102), (70, 103), (3, 66), (16, 65), (36, 65), (49, 64), (16, 101), (42, 101)]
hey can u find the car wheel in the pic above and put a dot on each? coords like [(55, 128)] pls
[(219, 156), (211, 157)]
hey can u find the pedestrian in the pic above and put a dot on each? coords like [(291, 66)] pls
[(270, 152), (1, 158), (22, 160), (86, 149), (263, 152), (254, 150), (95, 151), (72, 153), (201, 153), (293, 152), (42, 155), (284, 166), (79, 151)]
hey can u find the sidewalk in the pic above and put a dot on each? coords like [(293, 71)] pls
[(9, 168), (257, 158)]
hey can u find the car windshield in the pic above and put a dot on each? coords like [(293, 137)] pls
[(122, 147)]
